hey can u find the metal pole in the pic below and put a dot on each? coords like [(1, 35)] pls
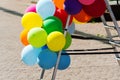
[(109, 35), (59, 54), (42, 74), (113, 17), (108, 31)]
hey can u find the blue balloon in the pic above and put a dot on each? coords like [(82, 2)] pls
[(47, 59), (64, 61), (30, 54), (44, 47), (45, 8), (71, 28)]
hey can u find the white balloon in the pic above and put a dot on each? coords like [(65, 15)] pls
[(45, 8)]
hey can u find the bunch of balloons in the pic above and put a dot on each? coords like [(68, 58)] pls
[(44, 24)]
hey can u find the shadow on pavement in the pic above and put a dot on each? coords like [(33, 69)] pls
[(11, 12)]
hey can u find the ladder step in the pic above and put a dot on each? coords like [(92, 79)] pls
[(109, 27), (116, 43)]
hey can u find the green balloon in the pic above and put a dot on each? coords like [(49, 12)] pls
[(51, 24), (68, 41), (37, 37)]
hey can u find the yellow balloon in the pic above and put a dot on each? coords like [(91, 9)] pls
[(77, 22), (31, 20), (56, 41)]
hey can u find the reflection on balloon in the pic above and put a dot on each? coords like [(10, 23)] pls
[(37, 37), (47, 59), (45, 10), (29, 55)]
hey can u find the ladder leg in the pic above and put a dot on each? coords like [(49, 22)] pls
[(109, 35), (113, 17), (108, 31)]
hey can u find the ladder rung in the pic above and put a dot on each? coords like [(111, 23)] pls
[(115, 43), (109, 27)]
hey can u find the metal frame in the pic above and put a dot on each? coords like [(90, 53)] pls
[(111, 41), (116, 27)]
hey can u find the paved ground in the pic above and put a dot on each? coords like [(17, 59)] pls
[(83, 67)]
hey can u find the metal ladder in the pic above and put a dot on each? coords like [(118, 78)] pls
[(113, 43), (111, 40)]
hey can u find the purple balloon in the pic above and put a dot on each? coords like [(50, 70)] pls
[(72, 6)]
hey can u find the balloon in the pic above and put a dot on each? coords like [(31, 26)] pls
[(31, 20), (29, 55), (77, 22), (62, 15), (23, 37), (59, 3), (86, 2), (52, 24), (72, 6), (82, 16), (68, 40), (56, 41), (45, 8), (37, 37), (31, 8), (96, 9), (64, 61), (44, 47), (71, 28), (47, 59)]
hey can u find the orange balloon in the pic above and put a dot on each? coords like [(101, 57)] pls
[(82, 16), (23, 37), (59, 3)]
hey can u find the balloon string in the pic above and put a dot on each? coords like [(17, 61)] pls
[(59, 54)]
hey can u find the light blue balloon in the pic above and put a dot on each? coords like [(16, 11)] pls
[(64, 61), (45, 8), (30, 54), (71, 28), (47, 59)]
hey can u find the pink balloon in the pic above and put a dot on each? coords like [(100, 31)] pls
[(31, 8), (86, 2)]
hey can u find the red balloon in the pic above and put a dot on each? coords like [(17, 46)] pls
[(96, 9), (62, 15)]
